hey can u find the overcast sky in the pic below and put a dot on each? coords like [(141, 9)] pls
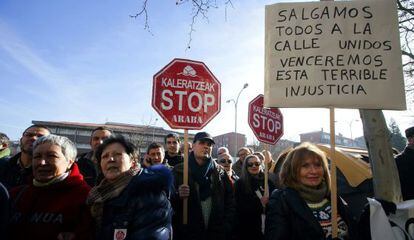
[(88, 61)]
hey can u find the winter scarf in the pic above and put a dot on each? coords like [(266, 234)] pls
[(201, 175), (106, 191), (52, 181), (313, 194), (256, 181)]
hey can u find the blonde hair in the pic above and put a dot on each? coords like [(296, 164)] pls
[(291, 166)]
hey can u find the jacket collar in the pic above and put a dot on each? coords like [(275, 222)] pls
[(299, 206)]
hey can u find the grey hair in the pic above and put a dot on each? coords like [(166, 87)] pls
[(67, 146), (226, 150)]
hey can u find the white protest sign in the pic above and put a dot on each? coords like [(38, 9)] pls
[(333, 54), (403, 221)]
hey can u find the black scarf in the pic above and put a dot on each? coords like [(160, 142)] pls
[(257, 181), (201, 175)]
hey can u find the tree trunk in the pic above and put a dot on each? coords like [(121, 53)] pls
[(384, 170)]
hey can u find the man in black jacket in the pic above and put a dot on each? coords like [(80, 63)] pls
[(86, 162), (173, 155), (211, 206), (405, 165), (18, 169)]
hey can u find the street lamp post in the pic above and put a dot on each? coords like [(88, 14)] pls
[(350, 129), (153, 130), (235, 115)]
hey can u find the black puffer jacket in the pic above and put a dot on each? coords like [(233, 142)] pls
[(288, 217), (143, 208)]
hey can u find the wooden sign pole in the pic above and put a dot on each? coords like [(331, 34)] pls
[(266, 173), (185, 177), (333, 175)]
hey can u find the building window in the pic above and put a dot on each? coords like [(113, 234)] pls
[(86, 133), (66, 131), (83, 146)]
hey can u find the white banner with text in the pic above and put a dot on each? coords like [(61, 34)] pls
[(344, 54)]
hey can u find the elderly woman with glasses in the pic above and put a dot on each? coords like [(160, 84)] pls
[(302, 208), (130, 202), (53, 206), (225, 161), (251, 199)]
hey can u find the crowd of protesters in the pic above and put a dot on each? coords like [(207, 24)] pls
[(46, 192)]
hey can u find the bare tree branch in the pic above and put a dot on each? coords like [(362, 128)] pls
[(145, 13), (406, 27), (200, 9)]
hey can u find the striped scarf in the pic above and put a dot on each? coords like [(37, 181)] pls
[(106, 191)]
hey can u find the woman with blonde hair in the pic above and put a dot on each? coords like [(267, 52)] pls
[(302, 208)]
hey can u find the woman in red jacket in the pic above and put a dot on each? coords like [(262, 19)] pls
[(54, 205)]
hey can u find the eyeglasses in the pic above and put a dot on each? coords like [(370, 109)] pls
[(253, 164), (32, 134), (225, 161)]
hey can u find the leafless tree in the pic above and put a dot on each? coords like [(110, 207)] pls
[(406, 23), (199, 8)]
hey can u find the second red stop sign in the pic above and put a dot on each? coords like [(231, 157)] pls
[(266, 123), (186, 94)]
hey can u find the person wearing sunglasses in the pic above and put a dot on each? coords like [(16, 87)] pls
[(251, 199), (225, 161)]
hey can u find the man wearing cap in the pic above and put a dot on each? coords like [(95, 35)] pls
[(405, 165), (18, 169), (211, 206)]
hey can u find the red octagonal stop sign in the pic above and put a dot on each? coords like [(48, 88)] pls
[(266, 123), (186, 94)]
